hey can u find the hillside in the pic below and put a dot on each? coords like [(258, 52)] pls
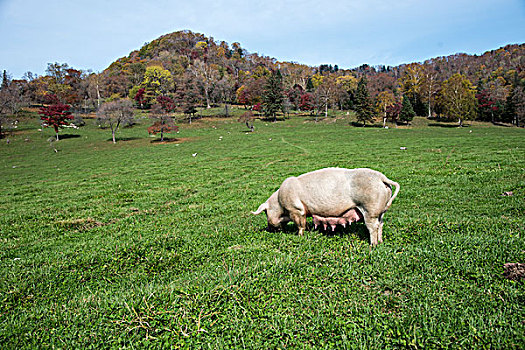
[(225, 72), (179, 50), (195, 71)]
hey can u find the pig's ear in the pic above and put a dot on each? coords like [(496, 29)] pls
[(262, 207)]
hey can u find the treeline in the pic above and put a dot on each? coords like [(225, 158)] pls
[(189, 70)]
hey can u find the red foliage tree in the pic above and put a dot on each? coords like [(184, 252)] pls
[(257, 107), (56, 115), (486, 106), (140, 97), (307, 102), (393, 111), (167, 104), (163, 121), (162, 126)]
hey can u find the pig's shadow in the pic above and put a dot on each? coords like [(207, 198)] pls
[(357, 228)]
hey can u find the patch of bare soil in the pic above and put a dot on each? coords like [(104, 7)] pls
[(514, 271)]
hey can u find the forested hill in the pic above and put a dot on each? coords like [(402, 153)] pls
[(179, 51), (193, 71)]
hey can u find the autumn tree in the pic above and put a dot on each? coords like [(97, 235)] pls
[(163, 122), (188, 96), (206, 75), (347, 86), (94, 88), (385, 99), (486, 105), (326, 92), (458, 99), (242, 96), (6, 105), (412, 85), (363, 106), (294, 95), (307, 102), (515, 105), (428, 87), (497, 92), (157, 81), (518, 100), (56, 115), (11, 95), (139, 96), (224, 92), (273, 95), (114, 114), (393, 111)]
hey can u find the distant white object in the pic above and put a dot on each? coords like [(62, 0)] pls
[(386, 127), (270, 139), (403, 148), (194, 154), (470, 131)]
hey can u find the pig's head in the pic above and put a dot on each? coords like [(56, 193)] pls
[(274, 212)]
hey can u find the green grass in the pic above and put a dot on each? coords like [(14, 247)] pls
[(142, 244)]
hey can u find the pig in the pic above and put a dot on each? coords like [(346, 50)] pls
[(329, 194)]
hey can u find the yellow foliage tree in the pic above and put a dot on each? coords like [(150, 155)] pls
[(385, 99), (458, 98)]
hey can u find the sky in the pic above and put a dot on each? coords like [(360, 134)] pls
[(91, 34)]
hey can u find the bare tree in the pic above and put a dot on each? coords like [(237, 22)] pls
[(114, 114), (205, 75)]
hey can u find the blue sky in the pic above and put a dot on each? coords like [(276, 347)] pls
[(92, 34)]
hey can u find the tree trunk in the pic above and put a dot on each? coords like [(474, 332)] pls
[(57, 135), (429, 94), (206, 93), (98, 97)]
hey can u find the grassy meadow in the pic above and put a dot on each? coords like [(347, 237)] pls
[(142, 244)]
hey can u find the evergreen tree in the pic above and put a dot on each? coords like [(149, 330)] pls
[(5, 81), (273, 95), (363, 105), (407, 113), (309, 85)]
